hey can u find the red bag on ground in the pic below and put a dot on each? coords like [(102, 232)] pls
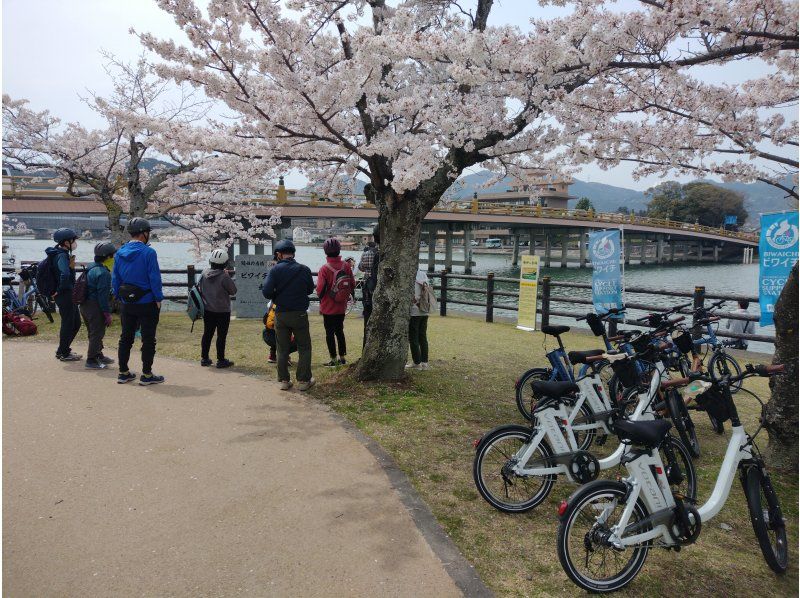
[(18, 325)]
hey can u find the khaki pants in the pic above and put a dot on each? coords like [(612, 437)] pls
[(286, 324)]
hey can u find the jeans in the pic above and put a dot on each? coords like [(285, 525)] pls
[(70, 322), (418, 338), (95, 327), (334, 332), (143, 316), (286, 324), (219, 322)]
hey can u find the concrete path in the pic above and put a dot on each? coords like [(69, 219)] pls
[(213, 484)]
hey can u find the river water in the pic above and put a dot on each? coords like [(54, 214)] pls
[(735, 279)]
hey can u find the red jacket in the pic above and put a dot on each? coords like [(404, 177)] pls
[(325, 280)]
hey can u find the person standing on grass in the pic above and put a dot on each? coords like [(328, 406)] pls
[(740, 326), (136, 282), (96, 308), (418, 323), (369, 266), (335, 285), (216, 288), (288, 285), (62, 262)]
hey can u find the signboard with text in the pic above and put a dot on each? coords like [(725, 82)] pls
[(604, 252), (777, 249), (251, 272), (528, 290)]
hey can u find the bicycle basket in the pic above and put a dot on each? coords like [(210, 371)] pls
[(683, 340), (713, 402), (625, 370), (641, 343), (596, 324)]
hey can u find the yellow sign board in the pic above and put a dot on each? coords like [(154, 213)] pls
[(528, 291)]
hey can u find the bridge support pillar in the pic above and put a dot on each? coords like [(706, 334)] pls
[(547, 248), (564, 249), (716, 252), (671, 250), (531, 242), (583, 238), (660, 249), (643, 248), (244, 247), (432, 232), (467, 249), (700, 252), (515, 249), (628, 250), (448, 248)]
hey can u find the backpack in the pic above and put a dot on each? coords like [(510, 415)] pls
[(195, 306), (427, 299), (342, 286), (81, 288), (18, 325), (47, 277)]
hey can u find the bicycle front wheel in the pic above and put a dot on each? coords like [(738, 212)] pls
[(524, 393), (584, 549), (721, 364), (767, 518)]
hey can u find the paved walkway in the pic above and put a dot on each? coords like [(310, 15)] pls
[(213, 484)]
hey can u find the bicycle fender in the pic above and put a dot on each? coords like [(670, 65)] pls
[(506, 427), (577, 495)]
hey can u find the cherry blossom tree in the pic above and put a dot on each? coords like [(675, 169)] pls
[(413, 93), (146, 161)]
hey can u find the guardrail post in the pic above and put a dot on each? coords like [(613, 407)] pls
[(699, 301), (443, 297), (190, 277), (545, 300), (490, 297), (612, 327)]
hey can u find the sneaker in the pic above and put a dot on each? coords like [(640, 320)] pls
[(342, 361), (423, 365), (205, 362), (148, 379), (69, 357), (94, 364), (286, 385), (304, 386), (105, 360), (271, 359), (331, 364), (224, 363), (124, 377), (412, 366)]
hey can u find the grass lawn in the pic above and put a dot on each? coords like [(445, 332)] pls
[(429, 424)]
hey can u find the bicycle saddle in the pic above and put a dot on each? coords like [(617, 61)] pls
[(648, 433), (580, 356), (553, 389), (8, 280), (555, 330)]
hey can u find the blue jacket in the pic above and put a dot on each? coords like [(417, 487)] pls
[(289, 284), (98, 285), (137, 264), (66, 275)]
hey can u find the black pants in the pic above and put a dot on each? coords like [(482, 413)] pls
[(418, 338), (95, 327), (70, 322), (143, 316), (219, 322), (334, 332)]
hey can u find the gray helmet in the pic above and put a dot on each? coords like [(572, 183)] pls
[(285, 246), (64, 234), (104, 249), (138, 225)]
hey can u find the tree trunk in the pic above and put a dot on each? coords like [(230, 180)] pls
[(781, 418), (118, 236), (386, 346)]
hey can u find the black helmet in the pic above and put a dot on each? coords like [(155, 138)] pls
[(64, 234), (138, 225), (285, 246), (104, 249)]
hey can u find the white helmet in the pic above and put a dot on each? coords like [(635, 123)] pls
[(218, 256)]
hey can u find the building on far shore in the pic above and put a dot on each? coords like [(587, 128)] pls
[(539, 188)]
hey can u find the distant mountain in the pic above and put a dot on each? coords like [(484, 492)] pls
[(759, 197), (352, 185)]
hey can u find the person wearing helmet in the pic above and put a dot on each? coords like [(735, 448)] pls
[(288, 285), (96, 308), (61, 257), (335, 285), (217, 288), (136, 282)]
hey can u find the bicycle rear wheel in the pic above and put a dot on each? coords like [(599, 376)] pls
[(767, 518), (524, 393), (720, 364)]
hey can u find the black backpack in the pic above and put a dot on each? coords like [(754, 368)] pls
[(47, 277), (81, 288)]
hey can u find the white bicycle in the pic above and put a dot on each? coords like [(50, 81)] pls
[(607, 527), (515, 467)]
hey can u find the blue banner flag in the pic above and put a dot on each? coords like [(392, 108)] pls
[(777, 250), (604, 252)]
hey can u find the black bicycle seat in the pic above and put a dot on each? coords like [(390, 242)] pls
[(555, 330), (8, 280), (543, 388), (648, 433), (580, 356)]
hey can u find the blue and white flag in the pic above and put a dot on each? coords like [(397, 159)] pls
[(777, 250), (604, 252)]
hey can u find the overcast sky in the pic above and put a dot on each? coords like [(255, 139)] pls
[(51, 55)]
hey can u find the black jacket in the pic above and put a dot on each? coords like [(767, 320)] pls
[(289, 284)]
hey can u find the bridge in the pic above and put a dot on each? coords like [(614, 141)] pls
[(560, 236)]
